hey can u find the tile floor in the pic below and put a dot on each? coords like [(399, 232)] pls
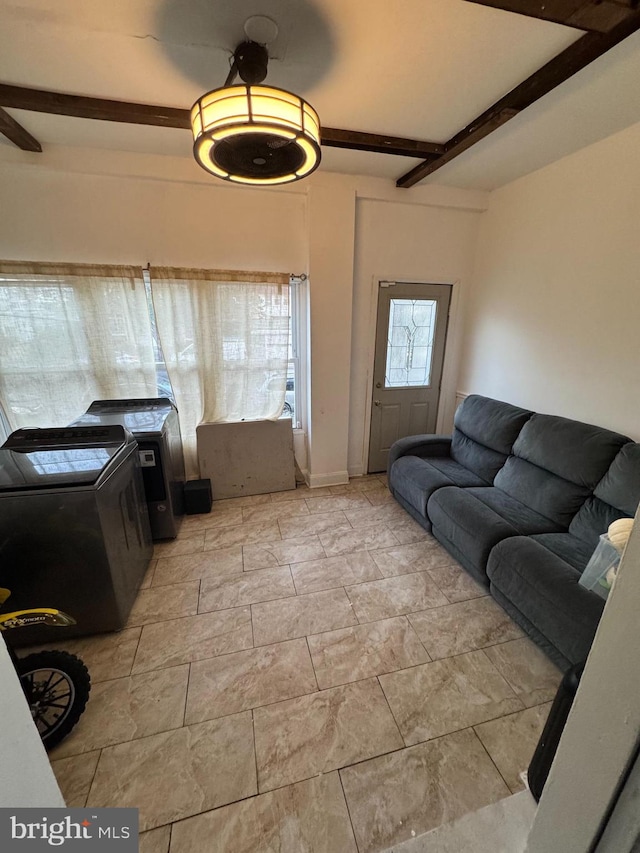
[(307, 672)]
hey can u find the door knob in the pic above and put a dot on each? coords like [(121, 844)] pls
[(378, 384), (376, 402)]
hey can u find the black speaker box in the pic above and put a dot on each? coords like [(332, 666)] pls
[(197, 496)]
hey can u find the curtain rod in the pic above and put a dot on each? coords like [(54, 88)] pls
[(294, 278)]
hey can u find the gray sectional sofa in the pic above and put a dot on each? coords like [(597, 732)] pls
[(520, 499)]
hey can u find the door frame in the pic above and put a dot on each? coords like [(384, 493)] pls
[(446, 401)]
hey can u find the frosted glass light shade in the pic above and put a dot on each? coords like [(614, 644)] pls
[(255, 135)]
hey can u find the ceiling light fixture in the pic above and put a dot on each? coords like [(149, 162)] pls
[(253, 134)]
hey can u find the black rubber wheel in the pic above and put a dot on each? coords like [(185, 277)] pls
[(287, 409), (57, 687)]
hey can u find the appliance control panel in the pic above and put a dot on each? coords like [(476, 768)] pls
[(147, 458)]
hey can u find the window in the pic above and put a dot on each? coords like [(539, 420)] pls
[(226, 343), (412, 324), (234, 349), (223, 346), (70, 334)]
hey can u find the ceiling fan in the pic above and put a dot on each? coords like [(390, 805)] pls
[(606, 23)]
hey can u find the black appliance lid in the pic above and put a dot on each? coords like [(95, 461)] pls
[(137, 415), (134, 404), (71, 456)]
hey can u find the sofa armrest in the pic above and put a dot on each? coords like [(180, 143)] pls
[(419, 445)]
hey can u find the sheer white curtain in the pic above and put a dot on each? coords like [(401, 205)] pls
[(70, 334), (225, 339)]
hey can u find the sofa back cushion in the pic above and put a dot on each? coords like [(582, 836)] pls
[(620, 486), (484, 433), (556, 463), (617, 495), (577, 452), (540, 490)]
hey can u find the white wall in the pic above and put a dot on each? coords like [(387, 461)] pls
[(118, 207), (396, 242), (553, 319), (331, 247), (66, 216), (26, 777)]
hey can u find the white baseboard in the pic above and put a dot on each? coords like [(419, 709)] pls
[(335, 478), (356, 471)]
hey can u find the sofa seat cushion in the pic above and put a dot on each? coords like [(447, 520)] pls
[(569, 548), (466, 526), (473, 520), (458, 474), (415, 479), (524, 519), (544, 589)]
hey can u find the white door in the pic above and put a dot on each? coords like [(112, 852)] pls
[(409, 354)]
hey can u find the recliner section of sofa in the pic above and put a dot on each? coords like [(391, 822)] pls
[(540, 591), (522, 509), (470, 522), (483, 435), (536, 579)]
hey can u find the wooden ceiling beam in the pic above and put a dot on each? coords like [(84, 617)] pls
[(101, 109), (473, 134), (104, 109), (573, 59), (16, 133), (379, 143), (598, 16)]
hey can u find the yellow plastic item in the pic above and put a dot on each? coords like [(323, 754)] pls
[(35, 616)]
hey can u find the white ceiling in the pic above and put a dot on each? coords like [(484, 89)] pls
[(414, 68)]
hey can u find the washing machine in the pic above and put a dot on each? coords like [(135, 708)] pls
[(74, 527), (155, 426)]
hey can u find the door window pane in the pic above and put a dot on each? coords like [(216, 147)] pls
[(412, 324)]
